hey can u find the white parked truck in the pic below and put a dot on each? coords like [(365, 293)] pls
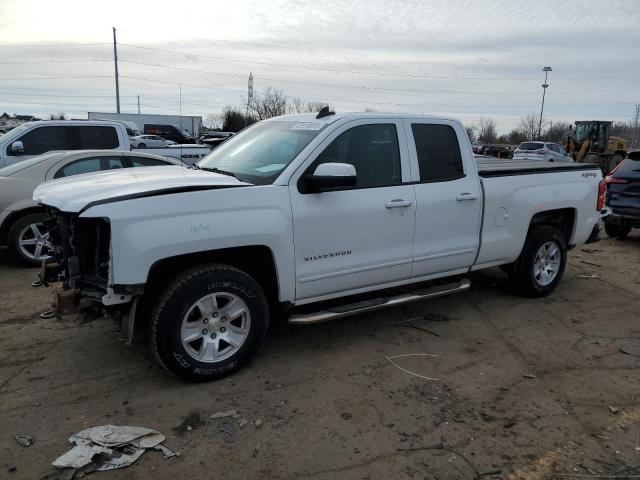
[(35, 138), (317, 217)]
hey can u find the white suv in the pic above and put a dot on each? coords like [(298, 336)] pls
[(541, 151)]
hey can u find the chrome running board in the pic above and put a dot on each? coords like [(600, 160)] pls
[(377, 303)]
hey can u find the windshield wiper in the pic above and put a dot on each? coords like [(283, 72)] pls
[(217, 170), (195, 166)]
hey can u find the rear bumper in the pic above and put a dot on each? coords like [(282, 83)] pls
[(626, 216)]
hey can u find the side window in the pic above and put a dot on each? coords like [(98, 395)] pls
[(94, 137), (553, 147), (372, 150), (43, 139), (88, 165), (439, 157), (147, 162)]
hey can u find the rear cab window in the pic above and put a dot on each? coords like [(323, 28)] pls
[(438, 152)]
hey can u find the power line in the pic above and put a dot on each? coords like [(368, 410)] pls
[(38, 62), (29, 94), (371, 102), (318, 84), (361, 87), (61, 77), (356, 72), (26, 45)]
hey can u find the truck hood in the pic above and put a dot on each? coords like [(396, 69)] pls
[(77, 193)]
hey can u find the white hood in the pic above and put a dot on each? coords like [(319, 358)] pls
[(75, 193)]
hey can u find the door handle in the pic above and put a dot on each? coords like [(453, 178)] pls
[(398, 203), (466, 196)]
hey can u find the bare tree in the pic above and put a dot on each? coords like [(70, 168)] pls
[(529, 126), (58, 116), (234, 119), (271, 103), (298, 105), (471, 132), (515, 137), (487, 130), (557, 132), (213, 120)]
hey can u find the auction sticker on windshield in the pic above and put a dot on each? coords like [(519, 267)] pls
[(308, 126)]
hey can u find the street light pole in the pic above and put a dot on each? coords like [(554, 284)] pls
[(546, 71), (115, 61)]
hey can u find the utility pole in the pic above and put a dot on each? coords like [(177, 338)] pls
[(546, 71), (138, 104), (115, 61), (636, 126)]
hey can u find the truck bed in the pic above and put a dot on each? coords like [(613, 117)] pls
[(495, 167)]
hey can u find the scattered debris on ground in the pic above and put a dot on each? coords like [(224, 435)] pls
[(24, 440), (109, 447)]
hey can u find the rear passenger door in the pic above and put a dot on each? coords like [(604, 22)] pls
[(448, 198)]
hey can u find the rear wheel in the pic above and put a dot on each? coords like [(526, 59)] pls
[(208, 322), (540, 266), (616, 231), (28, 240)]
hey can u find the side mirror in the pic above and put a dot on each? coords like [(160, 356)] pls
[(329, 176), (17, 147)]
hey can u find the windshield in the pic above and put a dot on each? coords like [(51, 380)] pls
[(258, 154)]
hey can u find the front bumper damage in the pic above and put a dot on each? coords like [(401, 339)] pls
[(79, 272)]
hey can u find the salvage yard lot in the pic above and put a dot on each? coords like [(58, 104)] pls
[(526, 388)]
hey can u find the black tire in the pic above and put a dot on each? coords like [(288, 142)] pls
[(177, 299), (142, 145), (616, 231), (13, 238), (522, 274)]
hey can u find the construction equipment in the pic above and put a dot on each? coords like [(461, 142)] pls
[(593, 143)]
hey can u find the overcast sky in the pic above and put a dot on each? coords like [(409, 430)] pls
[(458, 58)]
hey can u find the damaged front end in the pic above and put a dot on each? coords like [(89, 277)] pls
[(79, 270)]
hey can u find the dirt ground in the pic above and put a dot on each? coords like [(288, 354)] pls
[(531, 389)]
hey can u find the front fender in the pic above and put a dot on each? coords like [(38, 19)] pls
[(147, 230)]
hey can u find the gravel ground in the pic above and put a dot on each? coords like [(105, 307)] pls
[(530, 389)]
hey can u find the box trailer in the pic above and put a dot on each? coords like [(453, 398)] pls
[(191, 124)]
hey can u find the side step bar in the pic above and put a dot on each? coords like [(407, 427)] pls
[(377, 304)]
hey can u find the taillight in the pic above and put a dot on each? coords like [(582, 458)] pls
[(609, 180), (542, 151), (602, 188)]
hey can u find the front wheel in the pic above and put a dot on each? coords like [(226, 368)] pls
[(208, 322), (142, 145), (616, 231), (540, 266), (28, 240)]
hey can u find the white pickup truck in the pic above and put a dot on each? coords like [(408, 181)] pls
[(314, 217), (35, 138)]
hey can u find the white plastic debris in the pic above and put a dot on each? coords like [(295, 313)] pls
[(230, 413), (118, 447)]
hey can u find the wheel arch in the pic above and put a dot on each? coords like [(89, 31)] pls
[(563, 219), (256, 260), (12, 218)]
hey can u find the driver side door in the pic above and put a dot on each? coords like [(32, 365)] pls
[(355, 238)]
